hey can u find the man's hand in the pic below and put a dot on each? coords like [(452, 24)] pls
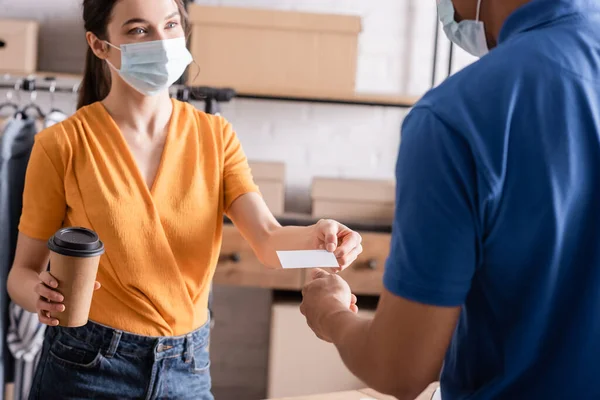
[(343, 242), (324, 297)]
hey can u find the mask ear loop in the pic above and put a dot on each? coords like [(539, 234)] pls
[(478, 10), (112, 45), (108, 62)]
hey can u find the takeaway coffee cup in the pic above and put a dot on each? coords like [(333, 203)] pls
[(74, 258)]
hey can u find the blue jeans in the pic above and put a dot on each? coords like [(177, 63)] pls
[(98, 362)]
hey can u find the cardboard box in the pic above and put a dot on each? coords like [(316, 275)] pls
[(18, 46), (274, 52), (353, 199), (300, 364), (270, 178)]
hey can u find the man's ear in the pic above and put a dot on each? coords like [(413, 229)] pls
[(99, 47)]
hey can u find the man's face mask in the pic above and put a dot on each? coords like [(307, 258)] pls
[(469, 35)]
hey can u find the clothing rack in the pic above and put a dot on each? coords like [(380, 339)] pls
[(33, 83), (209, 95)]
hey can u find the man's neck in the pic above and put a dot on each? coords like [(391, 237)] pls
[(494, 13)]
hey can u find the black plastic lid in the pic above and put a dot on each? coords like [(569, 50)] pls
[(76, 242)]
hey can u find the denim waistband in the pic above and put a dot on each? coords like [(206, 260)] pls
[(113, 340)]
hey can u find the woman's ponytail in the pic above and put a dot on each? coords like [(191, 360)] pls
[(96, 77), (96, 81)]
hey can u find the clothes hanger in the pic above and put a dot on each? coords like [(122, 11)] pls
[(23, 112), (52, 90), (30, 86), (75, 92), (9, 103)]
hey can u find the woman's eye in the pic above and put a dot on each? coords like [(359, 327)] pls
[(172, 25), (137, 31)]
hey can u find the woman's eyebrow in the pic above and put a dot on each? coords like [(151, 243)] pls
[(135, 21), (143, 21)]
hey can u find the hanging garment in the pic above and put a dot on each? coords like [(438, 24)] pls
[(25, 334), (54, 117), (16, 143), (25, 339)]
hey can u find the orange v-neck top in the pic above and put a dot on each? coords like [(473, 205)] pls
[(162, 243)]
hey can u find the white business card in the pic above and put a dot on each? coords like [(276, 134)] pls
[(307, 259)]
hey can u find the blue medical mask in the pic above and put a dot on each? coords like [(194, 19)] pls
[(151, 67), (469, 35)]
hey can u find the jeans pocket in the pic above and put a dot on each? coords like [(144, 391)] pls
[(68, 352), (201, 361)]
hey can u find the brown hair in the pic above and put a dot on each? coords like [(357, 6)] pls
[(96, 76)]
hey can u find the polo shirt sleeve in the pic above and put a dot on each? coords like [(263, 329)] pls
[(434, 239), (44, 201), (237, 176)]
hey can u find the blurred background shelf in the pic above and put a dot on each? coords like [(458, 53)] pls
[(43, 80), (361, 99)]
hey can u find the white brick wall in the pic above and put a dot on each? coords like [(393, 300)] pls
[(395, 56)]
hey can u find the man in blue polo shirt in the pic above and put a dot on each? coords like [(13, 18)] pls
[(494, 272)]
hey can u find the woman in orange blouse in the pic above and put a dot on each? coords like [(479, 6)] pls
[(153, 177)]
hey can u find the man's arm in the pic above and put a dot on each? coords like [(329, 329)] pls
[(434, 252), (433, 257), (398, 352)]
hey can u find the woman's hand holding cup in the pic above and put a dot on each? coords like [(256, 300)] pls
[(50, 300)]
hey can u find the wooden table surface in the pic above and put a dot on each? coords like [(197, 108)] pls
[(365, 394), (426, 395)]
